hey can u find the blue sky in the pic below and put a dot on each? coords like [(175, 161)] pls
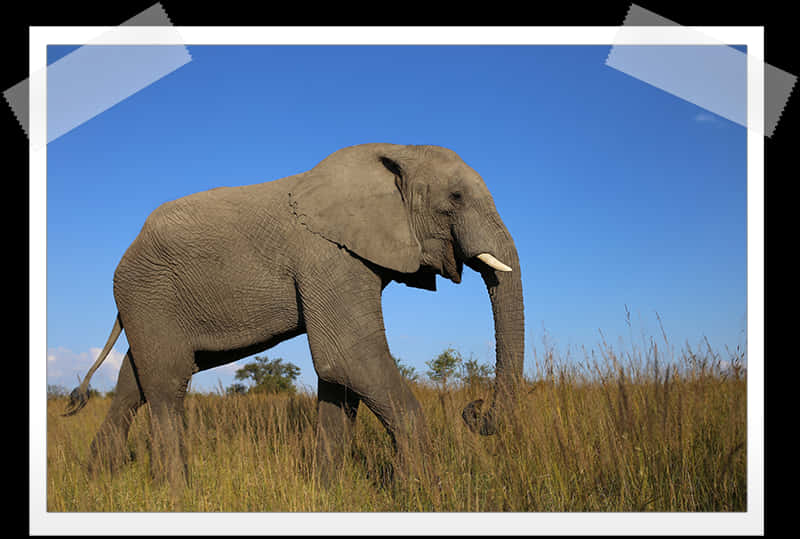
[(618, 194)]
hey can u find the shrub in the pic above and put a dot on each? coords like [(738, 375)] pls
[(408, 372), (267, 376), (474, 373), (444, 366)]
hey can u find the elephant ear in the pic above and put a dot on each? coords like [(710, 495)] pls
[(354, 199)]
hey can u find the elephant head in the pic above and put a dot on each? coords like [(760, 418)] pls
[(419, 211)]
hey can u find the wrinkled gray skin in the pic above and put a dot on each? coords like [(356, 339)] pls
[(222, 274)]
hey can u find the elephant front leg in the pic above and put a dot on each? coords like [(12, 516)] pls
[(344, 322), (337, 409)]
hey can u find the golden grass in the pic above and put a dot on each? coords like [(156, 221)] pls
[(605, 435)]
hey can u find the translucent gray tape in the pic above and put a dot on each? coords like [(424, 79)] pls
[(712, 76), (95, 77)]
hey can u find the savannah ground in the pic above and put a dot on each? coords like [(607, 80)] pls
[(610, 432)]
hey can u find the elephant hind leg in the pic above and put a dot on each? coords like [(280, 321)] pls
[(109, 449), (168, 452), (337, 410), (168, 459), (164, 366)]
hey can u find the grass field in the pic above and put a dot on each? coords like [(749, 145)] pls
[(609, 433)]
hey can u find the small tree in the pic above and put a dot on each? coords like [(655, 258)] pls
[(409, 373), (236, 389), (474, 373), (267, 376), (444, 366)]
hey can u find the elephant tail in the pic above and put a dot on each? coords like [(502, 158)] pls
[(80, 395)]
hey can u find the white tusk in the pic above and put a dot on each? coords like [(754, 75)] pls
[(492, 262)]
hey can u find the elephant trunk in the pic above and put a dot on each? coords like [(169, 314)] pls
[(505, 292)]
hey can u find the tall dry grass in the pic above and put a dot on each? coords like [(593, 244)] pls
[(635, 432)]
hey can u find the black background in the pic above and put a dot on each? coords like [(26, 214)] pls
[(780, 50)]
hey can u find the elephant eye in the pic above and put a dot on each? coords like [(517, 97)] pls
[(455, 196)]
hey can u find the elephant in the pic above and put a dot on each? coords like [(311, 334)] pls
[(222, 274)]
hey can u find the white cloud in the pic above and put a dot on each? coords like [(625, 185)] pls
[(67, 368), (114, 357), (706, 118)]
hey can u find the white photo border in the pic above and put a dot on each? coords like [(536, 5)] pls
[(749, 522)]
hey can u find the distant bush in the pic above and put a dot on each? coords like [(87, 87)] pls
[(450, 365), (474, 373), (408, 372), (56, 391), (236, 389), (267, 376), (443, 367)]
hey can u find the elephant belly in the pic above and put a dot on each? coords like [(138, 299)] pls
[(207, 359), (243, 318)]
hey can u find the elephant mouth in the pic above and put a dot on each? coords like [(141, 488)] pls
[(453, 264), (454, 259)]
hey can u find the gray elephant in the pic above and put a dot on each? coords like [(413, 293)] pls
[(223, 274)]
